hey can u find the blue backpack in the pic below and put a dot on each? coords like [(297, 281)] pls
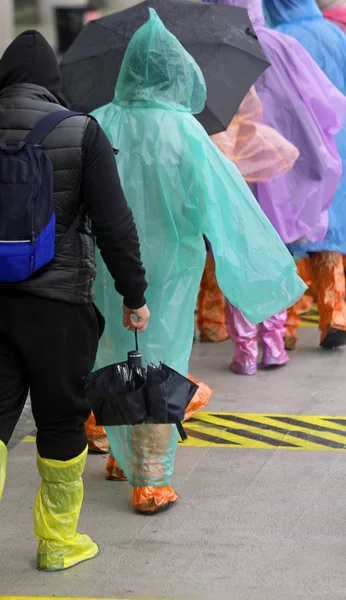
[(27, 214)]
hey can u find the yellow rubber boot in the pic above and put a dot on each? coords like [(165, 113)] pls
[(3, 464), (56, 513)]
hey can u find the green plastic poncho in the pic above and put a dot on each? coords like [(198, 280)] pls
[(180, 187)]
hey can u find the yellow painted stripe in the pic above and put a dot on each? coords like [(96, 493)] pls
[(28, 438), (308, 324)]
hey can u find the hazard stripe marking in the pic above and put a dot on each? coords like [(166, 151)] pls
[(284, 432), (313, 426), (199, 435)]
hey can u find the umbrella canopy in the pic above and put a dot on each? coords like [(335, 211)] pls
[(122, 394), (220, 39)]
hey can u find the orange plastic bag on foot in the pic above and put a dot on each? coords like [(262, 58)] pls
[(145, 499), (328, 270), (97, 438), (200, 399), (113, 471), (211, 306), (153, 499)]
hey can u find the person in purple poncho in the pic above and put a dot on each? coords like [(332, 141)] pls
[(301, 103), (326, 44)]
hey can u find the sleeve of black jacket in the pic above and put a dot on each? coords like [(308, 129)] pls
[(111, 218)]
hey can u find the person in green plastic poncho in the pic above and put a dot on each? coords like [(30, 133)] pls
[(180, 187)]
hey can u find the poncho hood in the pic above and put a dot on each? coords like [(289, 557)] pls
[(157, 72), (284, 11)]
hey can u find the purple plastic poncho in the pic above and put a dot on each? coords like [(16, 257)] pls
[(300, 102)]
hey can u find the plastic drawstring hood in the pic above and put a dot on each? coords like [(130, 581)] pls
[(254, 8), (158, 73), (283, 11)]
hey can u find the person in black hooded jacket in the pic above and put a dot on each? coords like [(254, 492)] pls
[(49, 328)]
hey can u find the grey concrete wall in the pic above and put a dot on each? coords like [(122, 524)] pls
[(6, 24)]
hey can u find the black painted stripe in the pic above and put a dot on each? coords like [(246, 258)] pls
[(333, 420), (261, 438), (312, 426), (258, 425), (199, 435), (254, 436), (311, 313), (251, 423), (317, 440)]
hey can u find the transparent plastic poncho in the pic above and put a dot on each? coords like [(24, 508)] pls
[(303, 20), (260, 152), (180, 187)]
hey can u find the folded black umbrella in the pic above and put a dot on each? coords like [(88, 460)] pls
[(117, 394), (168, 394), (219, 37), (127, 394)]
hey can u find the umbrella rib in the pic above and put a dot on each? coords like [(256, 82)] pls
[(117, 34)]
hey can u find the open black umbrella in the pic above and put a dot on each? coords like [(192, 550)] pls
[(219, 37), (128, 394)]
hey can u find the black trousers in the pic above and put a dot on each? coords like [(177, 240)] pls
[(47, 347)]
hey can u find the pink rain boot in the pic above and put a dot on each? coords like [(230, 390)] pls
[(244, 335), (272, 334)]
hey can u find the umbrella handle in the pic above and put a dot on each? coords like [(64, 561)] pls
[(136, 338)]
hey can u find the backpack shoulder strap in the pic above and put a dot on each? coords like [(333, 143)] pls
[(45, 125)]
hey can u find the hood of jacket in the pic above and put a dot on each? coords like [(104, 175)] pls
[(254, 8), (157, 72), (283, 11), (30, 59)]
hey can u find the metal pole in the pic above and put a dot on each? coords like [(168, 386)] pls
[(6, 24)]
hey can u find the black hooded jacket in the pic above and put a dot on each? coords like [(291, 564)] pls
[(85, 176)]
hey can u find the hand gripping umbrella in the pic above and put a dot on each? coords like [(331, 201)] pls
[(219, 37)]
